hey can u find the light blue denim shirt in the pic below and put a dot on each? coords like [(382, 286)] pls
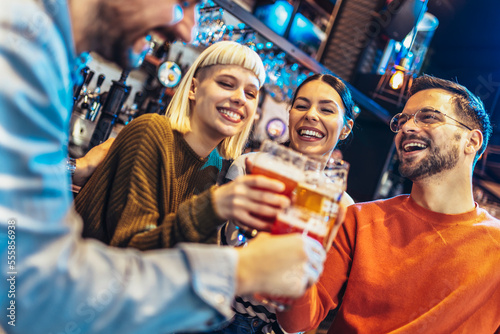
[(53, 281)]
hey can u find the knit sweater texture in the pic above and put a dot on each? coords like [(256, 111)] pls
[(152, 190), (397, 267)]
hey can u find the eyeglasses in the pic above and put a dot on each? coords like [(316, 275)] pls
[(422, 118), (186, 4)]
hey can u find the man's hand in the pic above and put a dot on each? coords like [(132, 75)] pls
[(87, 164), (279, 265), (249, 197)]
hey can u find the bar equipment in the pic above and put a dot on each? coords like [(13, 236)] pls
[(117, 95), (95, 97)]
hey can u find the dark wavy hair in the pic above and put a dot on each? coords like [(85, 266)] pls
[(469, 107), (340, 88)]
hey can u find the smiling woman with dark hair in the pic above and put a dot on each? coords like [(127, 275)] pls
[(321, 115)]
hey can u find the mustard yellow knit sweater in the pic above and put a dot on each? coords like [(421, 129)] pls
[(152, 190)]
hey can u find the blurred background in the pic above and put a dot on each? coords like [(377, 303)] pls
[(377, 46)]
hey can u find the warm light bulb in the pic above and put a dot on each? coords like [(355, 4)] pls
[(397, 80)]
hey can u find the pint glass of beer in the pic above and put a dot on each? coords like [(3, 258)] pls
[(319, 194), (281, 163), (314, 210)]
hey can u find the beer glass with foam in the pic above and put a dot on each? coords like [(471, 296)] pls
[(316, 202), (281, 163), (314, 209)]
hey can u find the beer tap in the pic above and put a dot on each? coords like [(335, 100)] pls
[(96, 99), (78, 89), (84, 94), (117, 95)]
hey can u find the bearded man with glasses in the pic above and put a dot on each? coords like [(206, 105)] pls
[(428, 262)]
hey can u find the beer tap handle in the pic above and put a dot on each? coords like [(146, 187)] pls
[(138, 101), (87, 81), (100, 80), (76, 92), (96, 99), (84, 94), (138, 98)]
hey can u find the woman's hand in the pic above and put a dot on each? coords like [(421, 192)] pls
[(252, 200)]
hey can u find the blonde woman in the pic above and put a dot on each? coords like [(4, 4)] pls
[(157, 186)]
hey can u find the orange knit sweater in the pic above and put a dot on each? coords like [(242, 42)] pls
[(398, 268), (152, 190)]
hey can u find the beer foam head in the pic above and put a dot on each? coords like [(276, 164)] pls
[(279, 166)]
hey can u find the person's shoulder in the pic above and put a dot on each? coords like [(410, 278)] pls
[(147, 129), (151, 119), (240, 161), (488, 223), (149, 123), (487, 219), (238, 167)]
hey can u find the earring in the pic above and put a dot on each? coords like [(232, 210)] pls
[(345, 133)]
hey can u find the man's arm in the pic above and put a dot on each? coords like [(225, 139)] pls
[(308, 311), (65, 283)]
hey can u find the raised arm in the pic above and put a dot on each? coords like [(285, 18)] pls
[(86, 165), (139, 196), (308, 311), (149, 192)]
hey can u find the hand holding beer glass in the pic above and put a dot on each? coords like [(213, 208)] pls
[(280, 163), (315, 187)]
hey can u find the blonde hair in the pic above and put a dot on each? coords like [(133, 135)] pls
[(221, 53)]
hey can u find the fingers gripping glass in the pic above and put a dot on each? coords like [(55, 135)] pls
[(422, 118)]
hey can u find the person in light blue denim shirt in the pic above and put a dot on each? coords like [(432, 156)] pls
[(52, 280)]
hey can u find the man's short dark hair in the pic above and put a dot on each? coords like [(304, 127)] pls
[(469, 107)]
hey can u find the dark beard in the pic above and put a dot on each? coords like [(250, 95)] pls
[(108, 39), (436, 162)]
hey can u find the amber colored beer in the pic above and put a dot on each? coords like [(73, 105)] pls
[(319, 199), (290, 184)]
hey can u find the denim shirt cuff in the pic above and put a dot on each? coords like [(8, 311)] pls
[(213, 276)]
